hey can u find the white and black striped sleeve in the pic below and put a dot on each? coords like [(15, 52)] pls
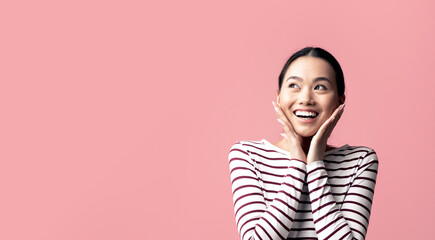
[(351, 220), (256, 218)]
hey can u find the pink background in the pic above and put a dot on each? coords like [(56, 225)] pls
[(117, 116)]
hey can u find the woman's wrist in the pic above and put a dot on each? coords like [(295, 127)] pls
[(312, 161), (298, 153)]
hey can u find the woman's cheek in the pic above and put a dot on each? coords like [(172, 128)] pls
[(327, 116), (289, 116)]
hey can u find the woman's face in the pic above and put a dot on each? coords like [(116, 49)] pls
[(309, 94)]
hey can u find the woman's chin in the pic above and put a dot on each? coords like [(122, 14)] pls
[(305, 133)]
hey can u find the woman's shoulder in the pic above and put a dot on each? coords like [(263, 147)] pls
[(257, 147), (347, 153), (346, 148), (255, 142), (246, 145)]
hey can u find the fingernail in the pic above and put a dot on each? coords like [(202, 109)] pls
[(279, 120), (276, 108)]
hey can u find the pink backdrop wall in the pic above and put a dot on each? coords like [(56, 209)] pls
[(117, 116)]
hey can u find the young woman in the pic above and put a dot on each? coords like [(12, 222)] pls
[(300, 187)]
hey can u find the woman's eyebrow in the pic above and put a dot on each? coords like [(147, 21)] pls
[(322, 79), (315, 80), (294, 77)]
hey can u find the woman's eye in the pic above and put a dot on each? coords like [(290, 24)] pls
[(292, 85), (320, 87)]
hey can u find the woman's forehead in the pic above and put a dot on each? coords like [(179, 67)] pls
[(308, 67)]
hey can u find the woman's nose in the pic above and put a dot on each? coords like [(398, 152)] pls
[(306, 97)]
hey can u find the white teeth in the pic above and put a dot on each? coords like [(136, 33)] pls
[(305, 114)]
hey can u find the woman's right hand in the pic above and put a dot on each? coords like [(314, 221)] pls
[(293, 139)]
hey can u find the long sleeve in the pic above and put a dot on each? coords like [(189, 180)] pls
[(351, 220), (256, 217)]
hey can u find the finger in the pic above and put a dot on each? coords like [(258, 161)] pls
[(287, 128), (279, 112), (329, 124), (324, 127), (338, 112), (282, 116), (336, 116)]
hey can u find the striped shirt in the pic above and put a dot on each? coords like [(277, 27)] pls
[(277, 197)]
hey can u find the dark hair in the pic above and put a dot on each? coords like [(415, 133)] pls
[(320, 53)]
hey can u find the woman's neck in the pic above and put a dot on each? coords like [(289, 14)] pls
[(305, 142)]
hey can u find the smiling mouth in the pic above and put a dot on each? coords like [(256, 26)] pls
[(306, 114)]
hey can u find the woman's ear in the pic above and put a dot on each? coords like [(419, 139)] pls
[(342, 99), (277, 98)]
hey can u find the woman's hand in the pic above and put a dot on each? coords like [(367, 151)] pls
[(318, 142), (293, 139)]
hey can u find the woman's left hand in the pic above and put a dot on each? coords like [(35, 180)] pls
[(318, 143)]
